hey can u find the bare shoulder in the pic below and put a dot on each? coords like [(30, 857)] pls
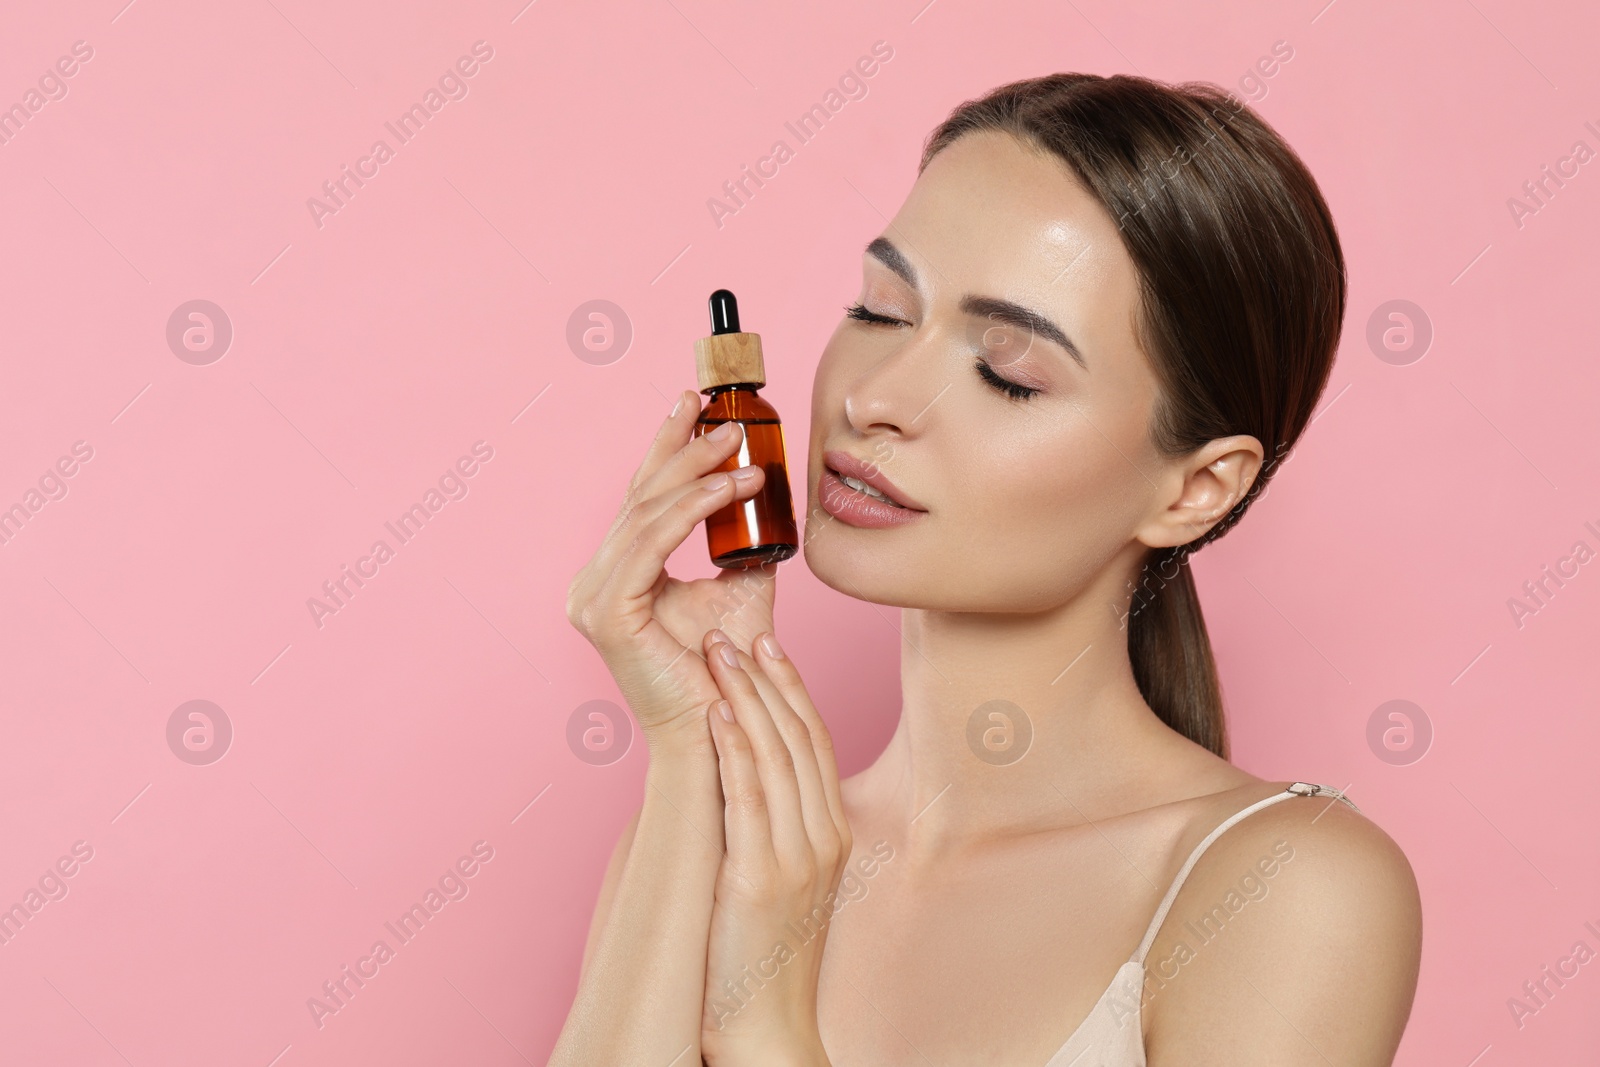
[(1296, 937)]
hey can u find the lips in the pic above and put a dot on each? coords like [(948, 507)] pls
[(849, 468)]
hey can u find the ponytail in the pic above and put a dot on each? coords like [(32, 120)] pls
[(1171, 652)]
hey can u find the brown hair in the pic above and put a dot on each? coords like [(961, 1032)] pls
[(1242, 295)]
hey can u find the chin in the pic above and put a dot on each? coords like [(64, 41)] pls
[(863, 564), (872, 565), (895, 569)]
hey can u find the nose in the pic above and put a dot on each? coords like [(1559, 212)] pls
[(893, 395)]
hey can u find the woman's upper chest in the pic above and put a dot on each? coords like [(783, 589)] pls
[(990, 955)]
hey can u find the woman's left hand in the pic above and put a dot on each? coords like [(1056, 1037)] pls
[(788, 843)]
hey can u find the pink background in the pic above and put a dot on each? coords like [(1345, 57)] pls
[(372, 351)]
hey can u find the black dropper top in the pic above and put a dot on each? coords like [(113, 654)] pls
[(724, 313)]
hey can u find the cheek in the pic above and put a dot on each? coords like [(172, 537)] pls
[(1064, 493), (1094, 482), (1030, 498), (1022, 465), (827, 384)]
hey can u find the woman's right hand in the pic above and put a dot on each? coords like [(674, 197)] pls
[(649, 627)]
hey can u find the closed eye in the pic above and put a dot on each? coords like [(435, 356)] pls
[(1010, 388), (859, 311), (986, 372)]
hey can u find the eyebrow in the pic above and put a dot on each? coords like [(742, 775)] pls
[(1006, 311)]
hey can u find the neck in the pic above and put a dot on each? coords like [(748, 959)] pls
[(980, 688)]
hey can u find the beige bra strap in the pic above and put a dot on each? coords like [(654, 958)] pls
[(1307, 789)]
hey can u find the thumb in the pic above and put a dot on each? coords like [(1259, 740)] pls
[(744, 599)]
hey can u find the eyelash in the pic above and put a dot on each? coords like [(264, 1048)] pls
[(1010, 388), (986, 372)]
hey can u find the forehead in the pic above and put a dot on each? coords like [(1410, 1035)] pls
[(992, 216)]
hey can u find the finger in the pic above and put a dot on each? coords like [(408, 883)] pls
[(817, 813), (749, 479), (678, 455), (695, 455), (738, 591), (636, 569), (744, 815), (644, 502), (673, 433), (777, 667), (774, 764)]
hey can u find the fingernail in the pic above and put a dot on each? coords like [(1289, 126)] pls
[(716, 483), (725, 650), (678, 406), (724, 433), (725, 710), (769, 642), (743, 474), (717, 636)]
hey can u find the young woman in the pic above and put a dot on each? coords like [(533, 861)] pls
[(1102, 316)]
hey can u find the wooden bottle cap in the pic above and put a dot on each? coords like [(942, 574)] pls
[(729, 358)]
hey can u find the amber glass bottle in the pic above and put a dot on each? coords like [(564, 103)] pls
[(761, 529)]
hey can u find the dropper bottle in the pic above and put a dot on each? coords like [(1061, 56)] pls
[(761, 529)]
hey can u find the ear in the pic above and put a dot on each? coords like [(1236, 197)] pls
[(1210, 481)]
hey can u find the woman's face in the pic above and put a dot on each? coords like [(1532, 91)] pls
[(1025, 498)]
